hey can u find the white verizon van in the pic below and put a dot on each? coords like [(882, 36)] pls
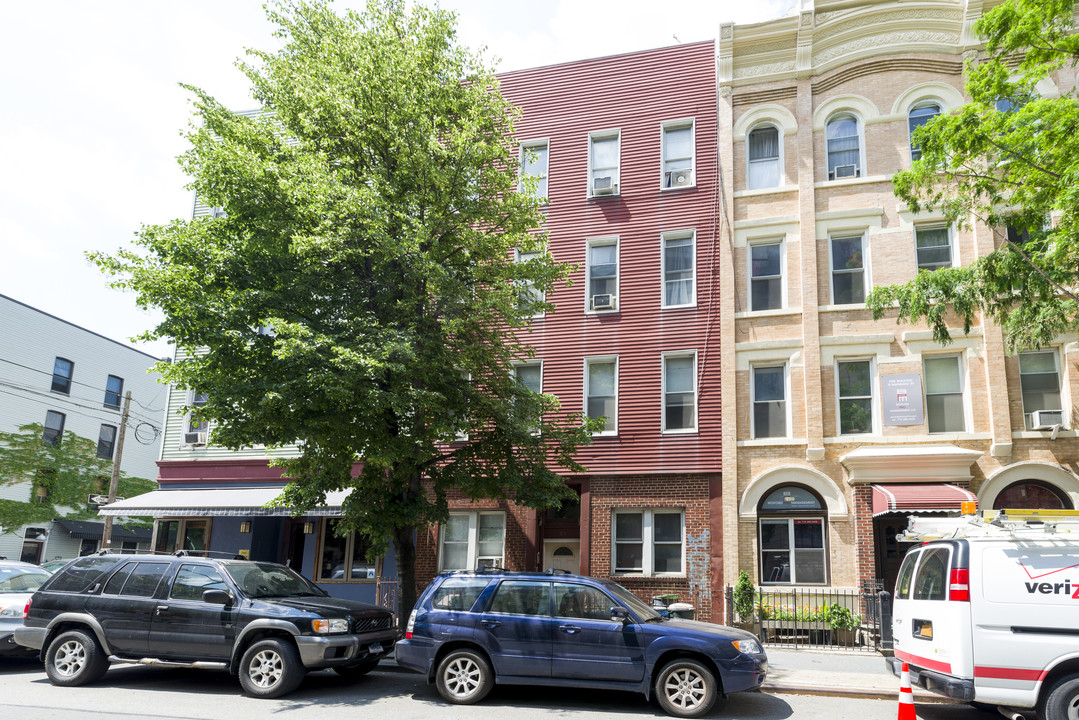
[(989, 612)]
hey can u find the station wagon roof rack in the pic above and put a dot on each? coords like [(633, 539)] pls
[(1007, 523), (554, 570)]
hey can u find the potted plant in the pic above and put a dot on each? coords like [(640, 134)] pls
[(744, 599), (843, 622)]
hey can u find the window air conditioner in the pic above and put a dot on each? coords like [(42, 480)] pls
[(604, 185), (1046, 419), (680, 178), (844, 171), (195, 438), (603, 302)]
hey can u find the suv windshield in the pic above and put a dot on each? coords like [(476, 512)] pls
[(266, 580), (634, 603), (21, 580)]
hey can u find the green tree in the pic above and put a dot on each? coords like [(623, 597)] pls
[(63, 475), (358, 296), (1009, 158)]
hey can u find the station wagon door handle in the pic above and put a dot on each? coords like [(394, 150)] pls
[(490, 624), (161, 609), (569, 629)]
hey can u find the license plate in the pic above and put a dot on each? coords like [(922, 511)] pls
[(375, 648)]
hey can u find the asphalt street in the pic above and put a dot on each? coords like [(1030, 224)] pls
[(128, 692)]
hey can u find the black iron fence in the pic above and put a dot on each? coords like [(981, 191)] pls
[(387, 592), (817, 618)]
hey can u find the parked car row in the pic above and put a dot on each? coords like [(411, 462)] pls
[(469, 630)]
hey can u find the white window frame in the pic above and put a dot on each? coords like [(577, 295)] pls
[(615, 133), (474, 558), (860, 125), (790, 520), (528, 145), (920, 105), (203, 427), (952, 250), (663, 396), (779, 159), (530, 363), (677, 235), (874, 393), (867, 283), (782, 271), (765, 365), (682, 124), (518, 257), (598, 242), (1055, 352), (647, 541), (963, 391), (598, 360)]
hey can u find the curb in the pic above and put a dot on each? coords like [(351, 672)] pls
[(857, 693)]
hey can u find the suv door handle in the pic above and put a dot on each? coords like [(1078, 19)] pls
[(161, 609), (569, 629), (490, 624)]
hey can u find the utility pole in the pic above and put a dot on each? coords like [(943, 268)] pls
[(114, 482)]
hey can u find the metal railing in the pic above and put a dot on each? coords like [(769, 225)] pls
[(387, 592)]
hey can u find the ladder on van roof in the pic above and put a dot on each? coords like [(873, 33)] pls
[(1008, 523)]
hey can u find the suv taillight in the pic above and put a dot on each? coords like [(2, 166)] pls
[(411, 625), (959, 585), (26, 610)]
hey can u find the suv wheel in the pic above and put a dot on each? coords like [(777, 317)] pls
[(354, 672), (1062, 702), (685, 688), (464, 677), (74, 658), (270, 668)]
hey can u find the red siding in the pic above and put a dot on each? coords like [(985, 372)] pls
[(635, 93)]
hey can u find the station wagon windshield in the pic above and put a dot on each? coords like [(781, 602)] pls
[(634, 603)]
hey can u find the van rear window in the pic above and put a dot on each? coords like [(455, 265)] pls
[(931, 580), (81, 574)]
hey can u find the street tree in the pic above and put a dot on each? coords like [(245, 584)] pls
[(357, 295), (1009, 158), (62, 472)]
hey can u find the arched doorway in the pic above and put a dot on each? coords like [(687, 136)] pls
[(1032, 494)]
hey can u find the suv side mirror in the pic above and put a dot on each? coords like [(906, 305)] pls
[(217, 597), (619, 614)]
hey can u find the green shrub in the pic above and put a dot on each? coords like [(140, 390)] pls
[(744, 595)]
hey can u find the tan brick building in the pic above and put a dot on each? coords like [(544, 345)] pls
[(838, 426)]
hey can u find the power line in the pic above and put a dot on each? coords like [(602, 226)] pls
[(106, 420), (76, 382), (61, 397)]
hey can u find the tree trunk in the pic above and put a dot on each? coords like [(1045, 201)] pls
[(404, 546)]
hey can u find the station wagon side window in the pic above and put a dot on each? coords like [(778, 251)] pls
[(931, 579), (581, 601), (458, 593), (906, 572), (522, 597)]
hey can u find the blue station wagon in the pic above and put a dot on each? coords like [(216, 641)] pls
[(470, 630)]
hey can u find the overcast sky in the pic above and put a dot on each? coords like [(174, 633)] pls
[(91, 114)]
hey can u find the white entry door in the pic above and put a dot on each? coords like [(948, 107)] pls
[(562, 555)]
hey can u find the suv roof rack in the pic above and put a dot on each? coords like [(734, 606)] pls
[(554, 570)]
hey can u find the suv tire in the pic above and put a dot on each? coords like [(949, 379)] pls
[(1062, 702), (355, 672), (464, 677), (685, 688), (74, 658), (270, 668)]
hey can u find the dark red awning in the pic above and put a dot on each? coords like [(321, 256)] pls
[(919, 497)]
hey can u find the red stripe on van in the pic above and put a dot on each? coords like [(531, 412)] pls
[(1004, 673), (925, 662)]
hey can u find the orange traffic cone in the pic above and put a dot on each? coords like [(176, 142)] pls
[(906, 696)]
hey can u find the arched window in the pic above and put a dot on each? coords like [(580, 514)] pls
[(1031, 495), (763, 153), (919, 115), (844, 147), (792, 524)]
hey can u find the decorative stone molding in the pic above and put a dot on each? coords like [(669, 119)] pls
[(858, 104), (1028, 470), (873, 20), (765, 96), (778, 115), (725, 91), (947, 95), (914, 463), (892, 41), (759, 70), (896, 64), (834, 501)]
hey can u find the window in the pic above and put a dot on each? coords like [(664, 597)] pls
[(106, 442), (195, 429), (791, 526), (934, 247), (62, 370), (1039, 380), (528, 296), (114, 388), (848, 270), (534, 165), (917, 117), (144, 579), (768, 388), (459, 593), (581, 601), (678, 152), (54, 427), (473, 540), (766, 275), (944, 394), (649, 542), (762, 148), (191, 535), (601, 391), (602, 275), (680, 392), (854, 381), (844, 148), (931, 579), (530, 375), (522, 597), (1032, 494), (193, 580), (679, 269), (603, 163), (344, 557)]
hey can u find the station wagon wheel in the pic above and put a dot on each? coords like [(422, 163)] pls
[(1062, 702), (74, 658), (464, 677), (270, 668), (685, 688)]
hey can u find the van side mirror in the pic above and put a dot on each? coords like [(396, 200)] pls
[(217, 597), (619, 614)]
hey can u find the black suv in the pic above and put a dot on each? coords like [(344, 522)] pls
[(259, 620)]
